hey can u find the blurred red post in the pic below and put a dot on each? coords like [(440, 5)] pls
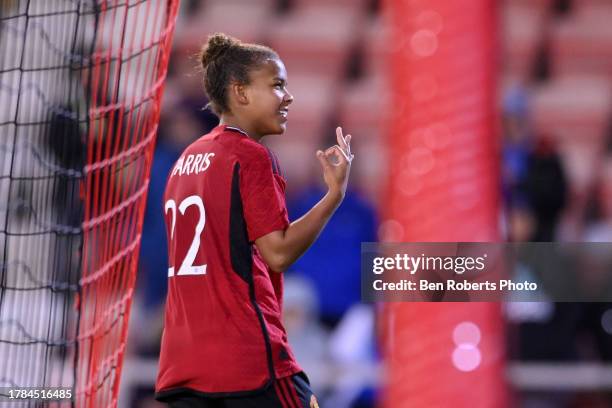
[(444, 186)]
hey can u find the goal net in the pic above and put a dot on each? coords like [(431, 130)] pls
[(80, 89)]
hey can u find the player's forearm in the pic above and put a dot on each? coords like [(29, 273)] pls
[(301, 233)]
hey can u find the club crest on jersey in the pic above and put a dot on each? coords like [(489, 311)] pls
[(313, 402), (192, 164)]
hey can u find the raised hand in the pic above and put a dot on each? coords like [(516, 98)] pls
[(336, 163)]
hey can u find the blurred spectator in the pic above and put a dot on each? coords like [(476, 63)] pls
[(516, 144), (353, 344), (533, 179), (600, 229), (333, 262), (308, 338), (545, 187)]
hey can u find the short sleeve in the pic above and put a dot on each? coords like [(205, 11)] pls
[(263, 198)]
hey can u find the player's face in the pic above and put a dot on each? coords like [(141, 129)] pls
[(270, 98)]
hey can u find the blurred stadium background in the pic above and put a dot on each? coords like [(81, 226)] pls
[(479, 120)]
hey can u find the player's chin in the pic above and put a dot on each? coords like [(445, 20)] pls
[(279, 127)]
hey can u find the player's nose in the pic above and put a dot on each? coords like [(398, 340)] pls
[(288, 99)]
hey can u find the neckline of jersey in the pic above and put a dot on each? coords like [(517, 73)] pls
[(235, 129)]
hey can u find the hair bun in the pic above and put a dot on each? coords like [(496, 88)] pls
[(217, 45)]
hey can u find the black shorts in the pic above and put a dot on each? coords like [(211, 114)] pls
[(288, 392)]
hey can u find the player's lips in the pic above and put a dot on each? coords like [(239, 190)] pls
[(283, 112)]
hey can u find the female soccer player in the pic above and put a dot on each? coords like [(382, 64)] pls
[(224, 344)]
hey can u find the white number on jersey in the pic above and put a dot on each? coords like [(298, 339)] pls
[(187, 266)]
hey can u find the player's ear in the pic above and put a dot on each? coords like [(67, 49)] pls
[(239, 92)]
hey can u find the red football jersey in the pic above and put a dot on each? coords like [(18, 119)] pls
[(223, 332)]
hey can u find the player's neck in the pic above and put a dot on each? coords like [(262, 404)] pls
[(230, 120)]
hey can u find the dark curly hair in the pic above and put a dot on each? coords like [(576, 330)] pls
[(226, 59)]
